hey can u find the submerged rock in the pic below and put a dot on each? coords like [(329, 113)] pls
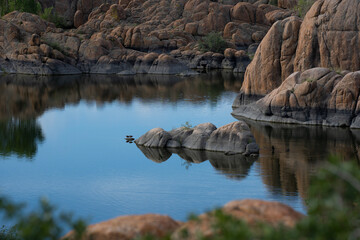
[(234, 137)]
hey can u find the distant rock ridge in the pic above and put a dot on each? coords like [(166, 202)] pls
[(233, 138), (133, 36)]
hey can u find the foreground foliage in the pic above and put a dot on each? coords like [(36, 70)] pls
[(44, 224)]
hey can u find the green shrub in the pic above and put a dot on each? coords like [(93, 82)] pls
[(44, 224), (273, 2), (51, 16), (303, 7), (213, 42), (30, 6)]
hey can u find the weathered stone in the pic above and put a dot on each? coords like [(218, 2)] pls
[(273, 60), (233, 137), (199, 136)]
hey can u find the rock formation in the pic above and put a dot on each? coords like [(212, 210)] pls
[(117, 36), (250, 211), (233, 138), (317, 96)]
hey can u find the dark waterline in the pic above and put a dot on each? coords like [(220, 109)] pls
[(63, 138)]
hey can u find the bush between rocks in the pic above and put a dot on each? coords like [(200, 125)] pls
[(213, 42)]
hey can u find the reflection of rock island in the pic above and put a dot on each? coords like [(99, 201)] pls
[(20, 137), (24, 96), (290, 154), (233, 166)]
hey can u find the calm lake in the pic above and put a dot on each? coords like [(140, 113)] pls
[(63, 138)]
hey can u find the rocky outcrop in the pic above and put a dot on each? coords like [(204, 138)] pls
[(234, 138), (158, 226), (116, 36), (327, 37), (316, 96)]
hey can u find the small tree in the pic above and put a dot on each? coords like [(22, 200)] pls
[(213, 42)]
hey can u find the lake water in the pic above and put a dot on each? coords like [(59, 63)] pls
[(63, 138)]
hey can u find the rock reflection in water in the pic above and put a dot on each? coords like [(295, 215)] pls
[(234, 166), (290, 154), (20, 137), (155, 154), (25, 96)]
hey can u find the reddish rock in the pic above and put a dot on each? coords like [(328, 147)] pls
[(130, 227), (79, 18), (273, 60)]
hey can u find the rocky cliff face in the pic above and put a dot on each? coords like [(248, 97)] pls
[(327, 37), (112, 37)]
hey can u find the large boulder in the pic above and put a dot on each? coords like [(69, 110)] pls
[(234, 137)]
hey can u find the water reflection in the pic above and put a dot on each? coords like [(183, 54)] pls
[(290, 154), (24, 96), (20, 137), (232, 166)]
